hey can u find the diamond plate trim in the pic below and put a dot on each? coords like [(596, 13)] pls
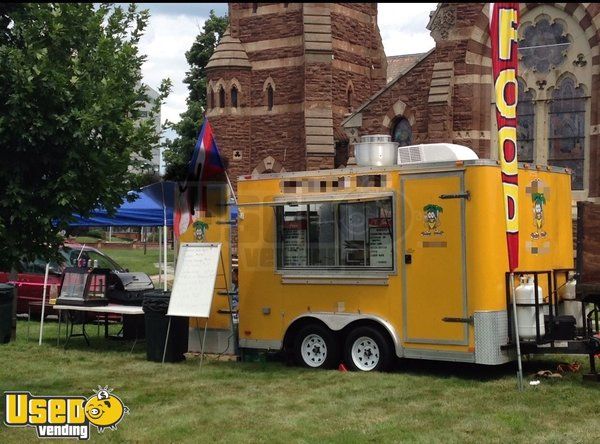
[(491, 332)]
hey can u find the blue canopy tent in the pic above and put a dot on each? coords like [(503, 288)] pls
[(153, 207), (149, 209)]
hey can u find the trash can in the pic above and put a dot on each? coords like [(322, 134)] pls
[(6, 306), (155, 307)]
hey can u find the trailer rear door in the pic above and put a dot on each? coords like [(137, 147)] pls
[(433, 262)]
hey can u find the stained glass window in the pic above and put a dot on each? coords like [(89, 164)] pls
[(567, 129), (402, 132), (526, 124), (543, 46)]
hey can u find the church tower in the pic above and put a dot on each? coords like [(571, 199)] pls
[(283, 78)]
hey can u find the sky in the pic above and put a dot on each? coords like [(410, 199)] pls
[(174, 26)]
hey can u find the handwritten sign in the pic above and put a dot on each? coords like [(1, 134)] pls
[(294, 242), (194, 283), (380, 240)]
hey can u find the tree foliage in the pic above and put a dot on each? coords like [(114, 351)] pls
[(70, 98), (178, 151)]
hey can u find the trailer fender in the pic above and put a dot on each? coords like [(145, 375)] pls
[(339, 321)]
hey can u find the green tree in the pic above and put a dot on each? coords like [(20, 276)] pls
[(70, 98), (178, 152)]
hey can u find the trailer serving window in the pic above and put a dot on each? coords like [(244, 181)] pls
[(334, 235)]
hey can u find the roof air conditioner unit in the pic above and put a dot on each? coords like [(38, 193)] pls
[(434, 152)]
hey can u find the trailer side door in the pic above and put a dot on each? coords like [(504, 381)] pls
[(433, 262)]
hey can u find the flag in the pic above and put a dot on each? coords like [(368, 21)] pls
[(206, 162), (182, 217), (503, 32), (205, 165)]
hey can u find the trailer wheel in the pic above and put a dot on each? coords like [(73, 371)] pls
[(367, 349), (315, 346)]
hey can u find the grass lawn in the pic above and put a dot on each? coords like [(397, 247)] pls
[(258, 402), (136, 260)]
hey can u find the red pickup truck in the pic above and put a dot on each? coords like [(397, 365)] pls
[(30, 278)]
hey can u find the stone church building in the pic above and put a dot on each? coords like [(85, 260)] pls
[(292, 86)]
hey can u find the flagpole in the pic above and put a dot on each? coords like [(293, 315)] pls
[(43, 304), (164, 233), (517, 338), (504, 20), (231, 188)]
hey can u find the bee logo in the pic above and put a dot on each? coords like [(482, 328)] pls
[(105, 410)]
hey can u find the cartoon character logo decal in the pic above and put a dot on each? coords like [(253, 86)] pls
[(432, 220), (105, 410), (200, 230), (538, 215), (64, 416)]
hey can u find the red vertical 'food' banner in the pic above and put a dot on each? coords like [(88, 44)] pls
[(503, 32)]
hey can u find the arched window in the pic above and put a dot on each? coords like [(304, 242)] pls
[(234, 97), (555, 80), (212, 99), (566, 118), (270, 97), (543, 46), (525, 124), (402, 132), (221, 97)]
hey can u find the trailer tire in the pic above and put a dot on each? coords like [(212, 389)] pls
[(315, 346), (367, 349)]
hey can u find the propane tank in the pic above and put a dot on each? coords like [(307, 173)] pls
[(570, 306), (525, 294)]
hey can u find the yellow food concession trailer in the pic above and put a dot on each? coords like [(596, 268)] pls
[(359, 265)]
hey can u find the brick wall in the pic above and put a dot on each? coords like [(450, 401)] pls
[(274, 40), (350, 30), (412, 89), (288, 86), (280, 136), (268, 26), (464, 118)]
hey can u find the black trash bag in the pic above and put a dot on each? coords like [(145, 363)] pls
[(155, 306), (156, 301)]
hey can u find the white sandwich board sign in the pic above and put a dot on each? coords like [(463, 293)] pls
[(195, 276)]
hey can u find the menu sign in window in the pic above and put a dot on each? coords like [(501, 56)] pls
[(380, 242), (294, 243)]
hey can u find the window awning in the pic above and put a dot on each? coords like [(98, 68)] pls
[(321, 197), (330, 197)]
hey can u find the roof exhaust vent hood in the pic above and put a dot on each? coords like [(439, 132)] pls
[(376, 150)]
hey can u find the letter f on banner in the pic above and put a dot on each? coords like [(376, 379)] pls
[(503, 31)]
